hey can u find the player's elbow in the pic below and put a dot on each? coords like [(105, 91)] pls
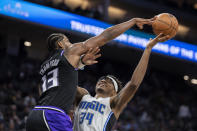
[(96, 41)]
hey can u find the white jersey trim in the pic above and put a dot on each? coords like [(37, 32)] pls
[(48, 108), (45, 121)]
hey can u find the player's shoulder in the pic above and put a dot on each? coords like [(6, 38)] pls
[(87, 96), (52, 58), (76, 47), (55, 54)]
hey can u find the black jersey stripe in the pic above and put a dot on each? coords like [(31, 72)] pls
[(111, 122)]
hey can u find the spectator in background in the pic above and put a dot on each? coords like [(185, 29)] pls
[(29, 100), (184, 112)]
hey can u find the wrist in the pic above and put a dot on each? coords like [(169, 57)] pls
[(134, 20), (149, 48), (81, 64), (81, 59)]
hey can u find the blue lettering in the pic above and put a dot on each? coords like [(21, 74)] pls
[(89, 117), (100, 108), (87, 105), (82, 104), (97, 105), (82, 116), (92, 106)]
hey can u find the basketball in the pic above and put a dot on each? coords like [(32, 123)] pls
[(165, 23)]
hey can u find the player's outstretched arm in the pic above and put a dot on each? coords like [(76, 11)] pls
[(116, 30), (119, 102), (110, 34)]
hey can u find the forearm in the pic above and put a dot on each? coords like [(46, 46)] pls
[(137, 77), (109, 34), (139, 73), (116, 30)]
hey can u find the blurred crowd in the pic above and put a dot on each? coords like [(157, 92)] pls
[(98, 9), (162, 103), (181, 4)]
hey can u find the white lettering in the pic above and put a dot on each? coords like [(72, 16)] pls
[(122, 37), (162, 47), (48, 65), (137, 41), (187, 53), (90, 29), (174, 50), (196, 56), (56, 62)]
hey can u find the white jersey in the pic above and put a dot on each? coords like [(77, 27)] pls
[(94, 114)]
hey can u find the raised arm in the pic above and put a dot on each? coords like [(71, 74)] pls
[(109, 34), (119, 102), (114, 31)]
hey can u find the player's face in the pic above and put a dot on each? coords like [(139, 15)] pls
[(105, 86)]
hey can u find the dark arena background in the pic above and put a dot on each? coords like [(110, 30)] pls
[(166, 99)]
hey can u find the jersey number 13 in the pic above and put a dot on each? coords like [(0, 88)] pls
[(50, 80)]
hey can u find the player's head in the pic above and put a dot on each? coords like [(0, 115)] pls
[(57, 41), (108, 85)]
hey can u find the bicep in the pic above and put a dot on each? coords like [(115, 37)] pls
[(92, 42), (120, 101)]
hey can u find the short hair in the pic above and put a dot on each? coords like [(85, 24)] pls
[(53, 40), (116, 79)]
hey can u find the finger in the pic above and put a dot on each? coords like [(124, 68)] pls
[(154, 18), (95, 51), (97, 56), (94, 62), (140, 26), (164, 38), (90, 50), (147, 22), (150, 23), (159, 36)]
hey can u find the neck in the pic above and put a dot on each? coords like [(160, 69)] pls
[(98, 95)]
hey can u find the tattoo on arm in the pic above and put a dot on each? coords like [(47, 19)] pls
[(111, 33)]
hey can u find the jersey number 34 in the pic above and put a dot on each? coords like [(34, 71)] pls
[(87, 116)]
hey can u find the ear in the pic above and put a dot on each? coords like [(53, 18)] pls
[(60, 44), (114, 92)]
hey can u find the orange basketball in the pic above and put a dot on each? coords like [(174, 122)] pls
[(165, 23)]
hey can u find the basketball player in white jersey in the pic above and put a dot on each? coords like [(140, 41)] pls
[(100, 112)]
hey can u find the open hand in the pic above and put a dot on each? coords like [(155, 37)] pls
[(90, 57), (159, 38), (140, 22)]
